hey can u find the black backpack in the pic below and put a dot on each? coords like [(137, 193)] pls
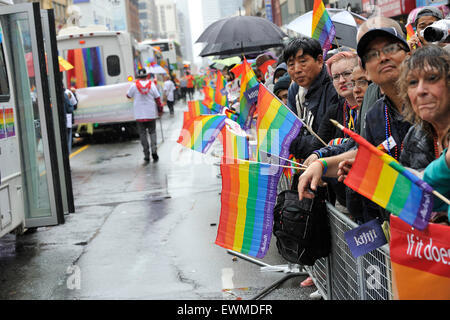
[(302, 227)]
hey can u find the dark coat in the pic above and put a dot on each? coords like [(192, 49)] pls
[(321, 96), (418, 149), (376, 124)]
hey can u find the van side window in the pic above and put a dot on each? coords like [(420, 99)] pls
[(113, 65), (4, 85)]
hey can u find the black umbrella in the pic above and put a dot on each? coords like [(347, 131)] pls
[(240, 34), (237, 48)]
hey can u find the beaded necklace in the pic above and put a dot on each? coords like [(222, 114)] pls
[(389, 133)]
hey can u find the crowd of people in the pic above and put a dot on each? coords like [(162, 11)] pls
[(392, 91)]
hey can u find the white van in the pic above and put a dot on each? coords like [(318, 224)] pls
[(100, 58)]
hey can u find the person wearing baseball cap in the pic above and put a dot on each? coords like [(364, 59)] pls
[(382, 48), (425, 17)]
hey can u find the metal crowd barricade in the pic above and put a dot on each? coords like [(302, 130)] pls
[(340, 276)]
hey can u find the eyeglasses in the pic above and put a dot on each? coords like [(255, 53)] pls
[(387, 50), (361, 83), (345, 75)]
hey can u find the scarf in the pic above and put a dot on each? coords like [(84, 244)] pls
[(142, 89)]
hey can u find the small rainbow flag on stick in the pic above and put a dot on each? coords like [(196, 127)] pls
[(380, 178), (209, 96), (220, 94), (235, 146), (411, 33), (276, 125), (322, 27), (197, 108), (248, 81), (200, 132), (249, 192)]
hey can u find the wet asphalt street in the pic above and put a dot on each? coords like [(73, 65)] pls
[(139, 232)]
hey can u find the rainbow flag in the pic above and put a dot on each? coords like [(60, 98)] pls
[(215, 108), (196, 108), (87, 68), (200, 132), (2, 125), (220, 93), (276, 125), (235, 146), (10, 127), (289, 172), (249, 192), (248, 81), (233, 115), (380, 178), (209, 95), (322, 27), (410, 31)]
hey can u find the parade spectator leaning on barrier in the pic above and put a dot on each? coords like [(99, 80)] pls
[(354, 202), (425, 17), (424, 85), (340, 68), (313, 92), (382, 48)]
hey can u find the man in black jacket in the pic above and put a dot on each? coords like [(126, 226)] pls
[(312, 92)]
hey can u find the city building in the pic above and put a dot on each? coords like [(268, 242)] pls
[(168, 19), (148, 16), (114, 14), (281, 12), (59, 7), (185, 29)]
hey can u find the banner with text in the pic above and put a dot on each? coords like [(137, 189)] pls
[(420, 261)]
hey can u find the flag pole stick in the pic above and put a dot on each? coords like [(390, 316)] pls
[(436, 193), (304, 124), (440, 196), (299, 164), (271, 164)]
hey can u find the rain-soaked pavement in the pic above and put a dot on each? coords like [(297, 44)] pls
[(139, 232)]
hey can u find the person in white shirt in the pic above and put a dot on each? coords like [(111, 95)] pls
[(169, 88), (147, 108)]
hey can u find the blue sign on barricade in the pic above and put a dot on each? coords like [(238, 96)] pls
[(365, 238)]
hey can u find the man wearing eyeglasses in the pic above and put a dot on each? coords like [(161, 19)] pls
[(382, 50)]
